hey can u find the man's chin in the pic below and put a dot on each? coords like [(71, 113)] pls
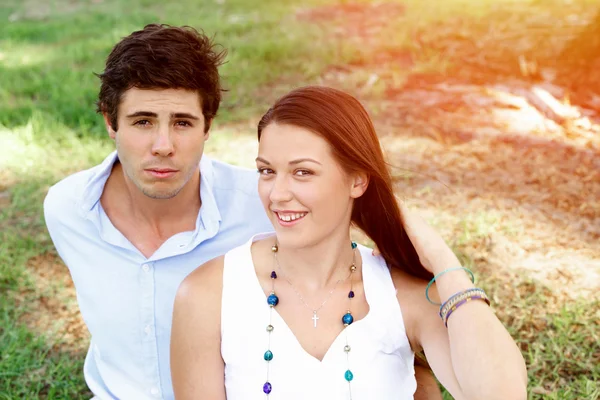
[(155, 194)]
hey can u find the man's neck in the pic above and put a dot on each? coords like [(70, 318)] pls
[(155, 220)]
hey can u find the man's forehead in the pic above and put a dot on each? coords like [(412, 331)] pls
[(161, 100)]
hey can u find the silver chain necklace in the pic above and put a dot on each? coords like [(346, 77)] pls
[(315, 316)]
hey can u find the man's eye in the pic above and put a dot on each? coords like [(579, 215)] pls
[(142, 122), (183, 123)]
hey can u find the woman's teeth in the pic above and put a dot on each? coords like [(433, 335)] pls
[(290, 217)]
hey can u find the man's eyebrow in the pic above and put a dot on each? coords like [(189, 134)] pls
[(184, 116), (142, 114), (155, 115)]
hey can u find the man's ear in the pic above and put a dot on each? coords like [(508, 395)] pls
[(109, 129), (360, 182), (207, 125)]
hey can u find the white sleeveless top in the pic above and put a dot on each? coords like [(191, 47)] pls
[(381, 358)]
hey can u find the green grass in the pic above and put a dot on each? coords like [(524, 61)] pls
[(30, 364), (47, 64), (561, 346), (30, 368), (48, 129)]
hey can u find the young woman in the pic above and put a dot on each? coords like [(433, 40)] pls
[(304, 313)]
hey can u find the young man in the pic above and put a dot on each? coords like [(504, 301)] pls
[(131, 228)]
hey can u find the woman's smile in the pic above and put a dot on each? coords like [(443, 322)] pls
[(289, 218)]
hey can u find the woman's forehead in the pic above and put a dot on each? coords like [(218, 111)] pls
[(286, 141)]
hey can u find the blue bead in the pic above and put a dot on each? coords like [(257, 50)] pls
[(273, 275), (354, 245), (347, 319), (268, 355), (273, 300), (349, 375), (351, 294), (267, 388)]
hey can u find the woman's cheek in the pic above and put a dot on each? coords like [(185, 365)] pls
[(263, 192)]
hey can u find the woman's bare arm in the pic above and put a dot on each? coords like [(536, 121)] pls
[(197, 368), (475, 356)]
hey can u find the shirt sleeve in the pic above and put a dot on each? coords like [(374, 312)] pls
[(56, 210)]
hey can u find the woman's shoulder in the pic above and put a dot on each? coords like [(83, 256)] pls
[(406, 284), (262, 241), (204, 283), (202, 287), (209, 276), (244, 250)]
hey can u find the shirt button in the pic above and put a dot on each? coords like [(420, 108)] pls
[(147, 329), (146, 268), (154, 391)]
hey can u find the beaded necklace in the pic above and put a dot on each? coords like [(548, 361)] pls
[(347, 319)]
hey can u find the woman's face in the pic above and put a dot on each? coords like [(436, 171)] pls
[(305, 192)]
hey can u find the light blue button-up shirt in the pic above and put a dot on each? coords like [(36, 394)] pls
[(127, 299)]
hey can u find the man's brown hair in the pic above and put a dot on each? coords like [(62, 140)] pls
[(162, 57)]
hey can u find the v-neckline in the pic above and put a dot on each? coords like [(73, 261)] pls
[(360, 322)]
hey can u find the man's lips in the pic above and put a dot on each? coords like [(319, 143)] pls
[(161, 172)]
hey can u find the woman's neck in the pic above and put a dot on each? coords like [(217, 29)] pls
[(318, 265)]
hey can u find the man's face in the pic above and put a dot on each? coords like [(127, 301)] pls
[(160, 139)]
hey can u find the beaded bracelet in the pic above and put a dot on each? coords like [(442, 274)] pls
[(474, 295), (452, 301), (442, 273), (456, 297)]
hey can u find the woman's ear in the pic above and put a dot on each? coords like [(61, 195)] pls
[(360, 182)]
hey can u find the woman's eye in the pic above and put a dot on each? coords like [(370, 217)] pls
[(303, 172), (265, 171)]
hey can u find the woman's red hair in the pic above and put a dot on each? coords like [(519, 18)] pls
[(343, 122)]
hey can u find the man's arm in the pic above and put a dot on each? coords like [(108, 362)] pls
[(54, 217), (427, 387)]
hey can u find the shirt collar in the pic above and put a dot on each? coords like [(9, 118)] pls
[(209, 215), (95, 186)]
